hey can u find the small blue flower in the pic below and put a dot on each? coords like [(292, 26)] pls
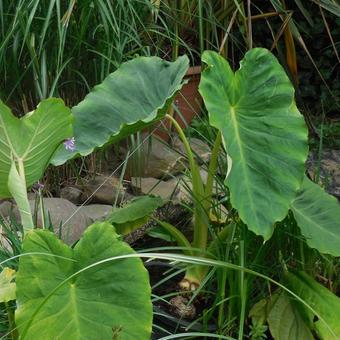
[(70, 144)]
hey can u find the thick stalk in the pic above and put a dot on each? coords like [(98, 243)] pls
[(10, 316), (201, 220), (17, 187), (213, 166), (27, 220), (195, 274), (181, 240)]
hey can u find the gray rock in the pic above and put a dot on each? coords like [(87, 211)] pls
[(65, 218), (104, 190), (177, 189), (96, 212), (160, 160), (72, 194), (167, 190), (6, 208), (200, 149), (329, 172), (156, 159)]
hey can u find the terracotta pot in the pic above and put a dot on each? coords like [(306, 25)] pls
[(188, 101)]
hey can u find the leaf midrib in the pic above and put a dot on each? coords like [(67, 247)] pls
[(7, 137), (243, 163)]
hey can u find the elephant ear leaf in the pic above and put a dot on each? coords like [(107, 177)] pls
[(318, 216), (263, 133), (31, 140), (88, 292), (134, 96)]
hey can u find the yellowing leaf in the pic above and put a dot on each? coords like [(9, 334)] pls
[(7, 287)]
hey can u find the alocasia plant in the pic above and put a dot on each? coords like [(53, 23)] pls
[(266, 139), (107, 299), (263, 133), (31, 140), (26, 147), (131, 98), (57, 297)]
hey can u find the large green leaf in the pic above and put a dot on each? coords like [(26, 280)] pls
[(32, 139), (318, 216), (108, 298), (134, 96), (263, 132), (134, 214), (324, 302), (285, 322)]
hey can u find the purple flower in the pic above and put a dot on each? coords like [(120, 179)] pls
[(38, 186), (70, 144)]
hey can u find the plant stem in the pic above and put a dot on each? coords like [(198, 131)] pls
[(185, 141), (221, 290), (200, 25), (22, 198), (213, 165), (242, 290), (201, 204), (10, 316), (177, 235)]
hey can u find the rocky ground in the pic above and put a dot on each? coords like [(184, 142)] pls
[(163, 175)]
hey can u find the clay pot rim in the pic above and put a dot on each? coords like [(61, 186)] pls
[(193, 70)]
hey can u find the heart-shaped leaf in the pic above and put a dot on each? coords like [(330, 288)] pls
[(133, 97), (263, 132), (32, 139), (108, 300), (318, 216)]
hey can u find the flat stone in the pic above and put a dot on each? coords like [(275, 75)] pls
[(96, 212), (167, 190), (177, 189), (72, 194), (103, 189)]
